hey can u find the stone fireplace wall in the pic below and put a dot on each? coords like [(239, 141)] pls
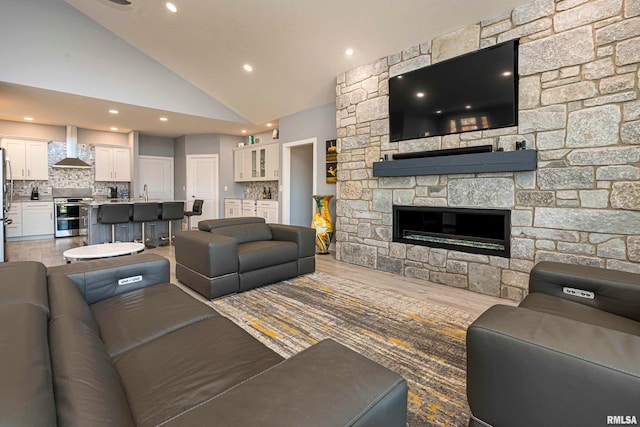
[(578, 106)]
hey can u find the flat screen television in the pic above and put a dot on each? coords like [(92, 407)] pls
[(475, 91)]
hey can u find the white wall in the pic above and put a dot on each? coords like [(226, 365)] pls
[(51, 45)]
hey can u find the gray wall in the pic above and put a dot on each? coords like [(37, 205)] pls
[(302, 186), (319, 123), (222, 145), (156, 146), (180, 168)]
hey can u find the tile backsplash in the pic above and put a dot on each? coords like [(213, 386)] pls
[(254, 190), (68, 177)]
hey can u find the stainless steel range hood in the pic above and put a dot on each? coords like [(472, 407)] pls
[(72, 160)]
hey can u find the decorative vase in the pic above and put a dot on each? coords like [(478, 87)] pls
[(323, 224)]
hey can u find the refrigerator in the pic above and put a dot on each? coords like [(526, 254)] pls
[(5, 201)]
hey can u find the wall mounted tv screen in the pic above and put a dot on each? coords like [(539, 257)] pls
[(471, 92)]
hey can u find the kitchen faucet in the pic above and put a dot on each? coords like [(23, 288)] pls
[(145, 193)]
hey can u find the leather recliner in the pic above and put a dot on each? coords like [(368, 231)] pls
[(230, 255), (568, 355)]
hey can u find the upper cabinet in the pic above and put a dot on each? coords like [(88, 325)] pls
[(112, 164), (257, 163), (29, 159)]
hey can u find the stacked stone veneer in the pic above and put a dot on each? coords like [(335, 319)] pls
[(578, 66)]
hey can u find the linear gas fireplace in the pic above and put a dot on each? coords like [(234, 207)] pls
[(479, 231)]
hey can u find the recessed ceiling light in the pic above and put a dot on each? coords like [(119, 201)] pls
[(114, 128), (247, 67), (399, 77), (468, 107), (30, 119), (439, 112), (172, 7), (244, 131), (269, 124), (163, 119), (507, 73), (113, 111), (420, 94), (349, 52)]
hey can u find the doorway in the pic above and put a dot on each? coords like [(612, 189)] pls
[(299, 179), (202, 183)]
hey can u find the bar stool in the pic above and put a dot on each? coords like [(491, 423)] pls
[(172, 211), (196, 211), (114, 214), (143, 212)]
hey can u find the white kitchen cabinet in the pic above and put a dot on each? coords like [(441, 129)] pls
[(15, 214), (112, 164), (242, 165), (37, 218), (267, 209), (248, 207), (29, 159), (232, 208), (272, 172), (256, 163)]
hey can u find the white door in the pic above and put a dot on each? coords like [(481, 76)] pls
[(202, 183), (16, 153), (157, 173)]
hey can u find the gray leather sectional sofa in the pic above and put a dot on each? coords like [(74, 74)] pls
[(112, 343), (569, 355), (232, 255)]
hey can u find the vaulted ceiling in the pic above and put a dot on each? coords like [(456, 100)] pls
[(296, 49)]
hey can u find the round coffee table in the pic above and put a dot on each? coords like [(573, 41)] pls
[(105, 250)]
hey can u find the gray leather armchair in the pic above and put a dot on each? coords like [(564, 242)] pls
[(231, 255), (568, 355)]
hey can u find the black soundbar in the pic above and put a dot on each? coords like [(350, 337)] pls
[(446, 152)]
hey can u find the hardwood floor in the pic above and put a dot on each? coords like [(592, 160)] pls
[(49, 252)]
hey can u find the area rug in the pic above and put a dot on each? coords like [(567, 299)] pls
[(422, 341)]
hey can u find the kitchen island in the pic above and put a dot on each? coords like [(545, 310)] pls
[(127, 232)]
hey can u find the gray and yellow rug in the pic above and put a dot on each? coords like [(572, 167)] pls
[(422, 341)]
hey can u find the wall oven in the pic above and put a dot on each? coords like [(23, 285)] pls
[(71, 217), (71, 212)]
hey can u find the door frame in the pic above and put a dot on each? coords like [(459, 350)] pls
[(173, 171), (215, 158), (286, 174)]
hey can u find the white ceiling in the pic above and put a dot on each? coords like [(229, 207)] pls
[(295, 47)]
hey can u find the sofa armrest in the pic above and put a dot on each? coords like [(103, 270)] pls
[(305, 237), (209, 254), (104, 278), (616, 292), (528, 368), (325, 385)]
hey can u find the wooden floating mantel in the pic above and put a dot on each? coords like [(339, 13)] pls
[(497, 161)]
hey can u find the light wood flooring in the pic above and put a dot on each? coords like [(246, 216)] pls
[(49, 252)]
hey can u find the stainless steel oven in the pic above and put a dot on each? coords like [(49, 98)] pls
[(71, 217), (71, 212)]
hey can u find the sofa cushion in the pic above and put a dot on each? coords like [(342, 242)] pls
[(88, 391), (257, 255), (132, 319), (26, 394), (246, 232), (582, 313), (24, 282), (178, 371)]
